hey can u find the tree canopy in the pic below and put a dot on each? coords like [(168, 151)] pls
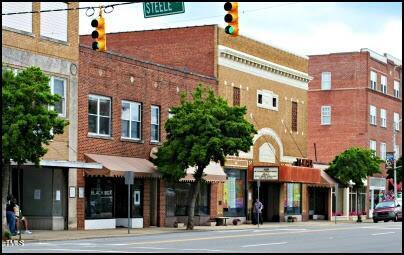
[(202, 130)]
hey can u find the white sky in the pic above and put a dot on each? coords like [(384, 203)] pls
[(303, 28)]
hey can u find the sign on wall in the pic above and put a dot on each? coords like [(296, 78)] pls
[(266, 173), (377, 183)]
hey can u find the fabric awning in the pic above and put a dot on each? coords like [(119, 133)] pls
[(117, 166), (325, 181), (213, 173)]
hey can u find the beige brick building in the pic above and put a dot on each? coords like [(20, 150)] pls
[(48, 40)]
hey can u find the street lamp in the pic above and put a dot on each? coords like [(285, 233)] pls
[(394, 158)]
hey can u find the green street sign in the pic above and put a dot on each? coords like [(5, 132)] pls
[(156, 9)]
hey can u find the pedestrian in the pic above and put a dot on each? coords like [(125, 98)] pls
[(11, 218), (19, 218), (258, 206)]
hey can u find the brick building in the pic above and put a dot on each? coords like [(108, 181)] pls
[(123, 104), (48, 40), (272, 83), (355, 99)]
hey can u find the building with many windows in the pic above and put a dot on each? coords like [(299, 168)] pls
[(48, 40), (354, 99)]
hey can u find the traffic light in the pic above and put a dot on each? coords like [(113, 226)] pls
[(231, 18), (99, 34)]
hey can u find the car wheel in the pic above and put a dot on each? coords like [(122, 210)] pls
[(395, 218), (375, 221)]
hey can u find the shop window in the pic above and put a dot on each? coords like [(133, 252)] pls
[(121, 198), (99, 115), (234, 203), (155, 123), (177, 199), (236, 96), (99, 194), (131, 120), (357, 201), (293, 202)]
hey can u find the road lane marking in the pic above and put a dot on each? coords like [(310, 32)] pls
[(252, 245), (238, 230), (380, 228), (201, 250), (60, 249), (280, 229), (385, 233)]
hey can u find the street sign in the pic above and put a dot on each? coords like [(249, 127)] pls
[(390, 159), (129, 177), (377, 183), (156, 9)]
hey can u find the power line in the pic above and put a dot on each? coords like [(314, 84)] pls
[(70, 9)]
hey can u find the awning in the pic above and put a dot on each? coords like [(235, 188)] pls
[(326, 181), (213, 173), (117, 166)]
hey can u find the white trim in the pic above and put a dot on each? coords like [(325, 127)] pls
[(63, 163), (123, 222), (100, 224), (256, 66), (270, 132)]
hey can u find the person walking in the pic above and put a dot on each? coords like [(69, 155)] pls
[(258, 206), (11, 218)]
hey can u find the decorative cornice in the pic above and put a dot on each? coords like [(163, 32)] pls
[(262, 64)]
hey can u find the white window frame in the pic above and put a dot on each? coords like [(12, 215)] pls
[(373, 80), (98, 115), (130, 120), (395, 121), (383, 84), (267, 100), (53, 29), (397, 89), (383, 118), (373, 145), (19, 22), (157, 124), (51, 84), (325, 112), (383, 151), (372, 115), (325, 80)]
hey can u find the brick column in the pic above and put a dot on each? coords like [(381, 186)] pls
[(146, 203), (282, 197), (162, 205), (81, 202), (329, 203), (305, 203), (213, 200)]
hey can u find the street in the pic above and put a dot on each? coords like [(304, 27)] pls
[(294, 238)]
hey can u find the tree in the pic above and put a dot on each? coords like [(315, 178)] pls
[(202, 130), (354, 164), (26, 121), (390, 171)]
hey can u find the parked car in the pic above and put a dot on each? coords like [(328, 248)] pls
[(387, 210)]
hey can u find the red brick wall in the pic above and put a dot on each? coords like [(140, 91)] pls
[(213, 199), (146, 203), (190, 47), (152, 84), (162, 205), (349, 99)]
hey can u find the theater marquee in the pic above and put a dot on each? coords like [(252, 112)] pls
[(266, 173)]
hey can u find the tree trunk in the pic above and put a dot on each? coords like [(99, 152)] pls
[(195, 187), (358, 214), (4, 194)]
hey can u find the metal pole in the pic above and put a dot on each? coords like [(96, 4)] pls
[(336, 202), (258, 212), (128, 208), (394, 160)]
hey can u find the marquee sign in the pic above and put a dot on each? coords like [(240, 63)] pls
[(266, 173)]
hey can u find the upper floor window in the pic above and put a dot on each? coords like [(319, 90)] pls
[(267, 99), (383, 151), (54, 24), (155, 123), (325, 115), (383, 84), (326, 80), (373, 80), (396, 121), (397, 89), (58, 86), (236, 96), (294, 116), (372, 145), (372, 115), (131, 120), (383, 120), (21, 22), (99, 115)]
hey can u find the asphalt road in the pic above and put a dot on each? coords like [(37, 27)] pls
[(339, 238)]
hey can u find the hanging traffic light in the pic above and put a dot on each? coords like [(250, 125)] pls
[(231, 18), (99, 34)]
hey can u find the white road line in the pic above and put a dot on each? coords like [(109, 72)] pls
[(117, 244), (200, 250), (252, 245), (385, 233), (54, 249), (380, 228), (238, 230), (280, 229)]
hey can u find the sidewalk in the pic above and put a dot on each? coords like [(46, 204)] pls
[(49, 235)]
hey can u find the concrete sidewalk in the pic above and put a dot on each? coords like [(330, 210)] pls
[(49, 235)]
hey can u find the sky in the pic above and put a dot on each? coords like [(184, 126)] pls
[(304, 28)]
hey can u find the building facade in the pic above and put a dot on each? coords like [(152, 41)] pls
[(272, 83), (355, 99), (48, 40), (123, 104)]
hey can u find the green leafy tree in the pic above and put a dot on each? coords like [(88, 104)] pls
[(390, 171), (202, 130), (354, 164), (26, 121)]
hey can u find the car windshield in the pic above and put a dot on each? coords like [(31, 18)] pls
[(385, 204)]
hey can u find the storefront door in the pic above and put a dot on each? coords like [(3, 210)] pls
[(269, 196)]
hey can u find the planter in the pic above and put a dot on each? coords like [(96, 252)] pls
[(179, 225), (236, 222), (213, 223)]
